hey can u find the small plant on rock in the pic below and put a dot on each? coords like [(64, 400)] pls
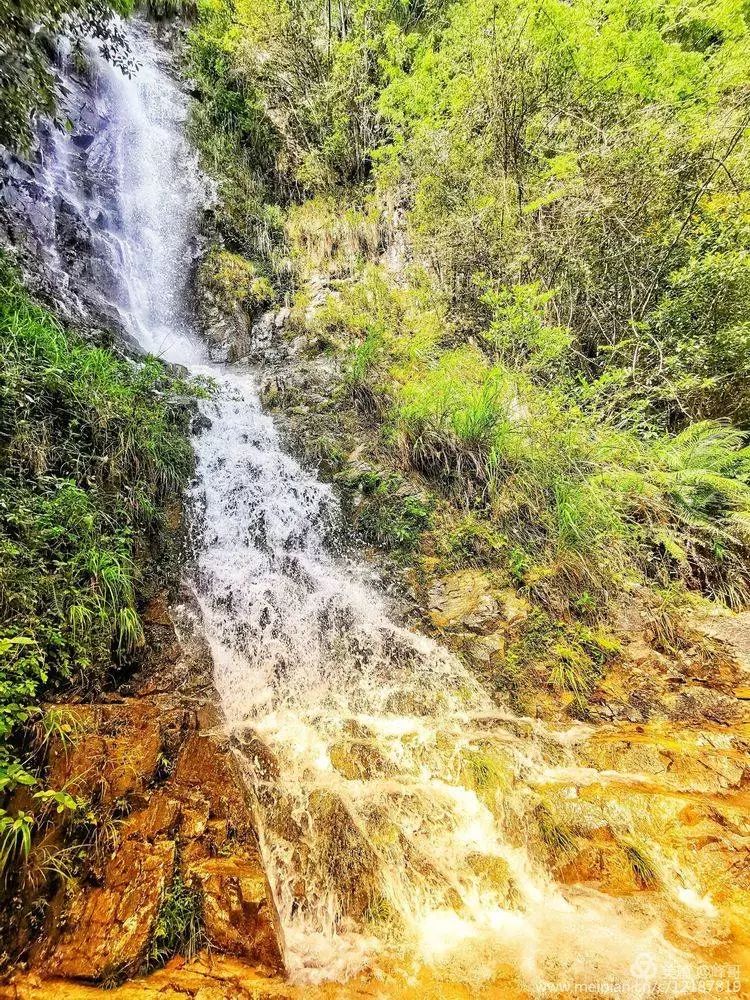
[(179, 925)]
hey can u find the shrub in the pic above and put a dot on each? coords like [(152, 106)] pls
[(570, 489), (179, 925), (326, 239), (167, 9), (236, 281)]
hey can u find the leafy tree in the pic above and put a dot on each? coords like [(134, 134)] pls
[(564, 345)]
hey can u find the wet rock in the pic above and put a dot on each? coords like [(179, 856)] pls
[(195, 819), (108, 928), (237, 909), (361, 761), (282, 317), (200, 422), (207, 977), (408, 701), (105, 930), (496, 872), (261, 758), (205, 764), (161, 817), (601, 862), (345, 862)]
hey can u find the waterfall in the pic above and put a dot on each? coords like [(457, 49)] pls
[(393, 796)]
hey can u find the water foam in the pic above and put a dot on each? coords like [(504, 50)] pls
[(393, 795)]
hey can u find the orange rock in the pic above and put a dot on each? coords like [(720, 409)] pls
[(238, 910), (115, 758), (195, 810), (206, 765), (108, 928), (160, 817)]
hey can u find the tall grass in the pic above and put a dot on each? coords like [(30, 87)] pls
[(91, 452), (581, 503)]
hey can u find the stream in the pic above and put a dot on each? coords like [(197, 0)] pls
[(397, 804)]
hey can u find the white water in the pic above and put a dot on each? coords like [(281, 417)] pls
[(395, 802)]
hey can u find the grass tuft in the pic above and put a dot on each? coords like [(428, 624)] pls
[(179, 925)]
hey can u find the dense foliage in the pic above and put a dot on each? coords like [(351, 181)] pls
[(534, 219), (92, 451), (30, 32)]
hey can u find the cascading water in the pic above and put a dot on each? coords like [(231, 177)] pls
[(393, 797)]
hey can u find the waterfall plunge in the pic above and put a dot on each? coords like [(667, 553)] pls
[(391, 793)]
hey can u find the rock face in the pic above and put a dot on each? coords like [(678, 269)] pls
[(226, 326), (462, 600), (108, 929), (733, 632), (166, 805), (196, 823), (58, 246), (218, 977), (466, 601), (238, 910)]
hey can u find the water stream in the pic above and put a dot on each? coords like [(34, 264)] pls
[(397, 805)]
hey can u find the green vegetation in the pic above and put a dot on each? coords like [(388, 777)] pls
[(161, 10), (236, 281), (93, 450), (487, 773), (554, 833), (532, 220), (15, 834), (383, 509), (179, 925), (29, 32)]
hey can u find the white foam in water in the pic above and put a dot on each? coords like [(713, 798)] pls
[(358, 736)]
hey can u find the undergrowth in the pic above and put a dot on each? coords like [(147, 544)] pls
[(576, 502), (179, 925), (93, 450), (519, 234)]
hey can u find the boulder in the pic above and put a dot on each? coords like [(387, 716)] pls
[(462, 601), (733, 630), (238, 912)]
